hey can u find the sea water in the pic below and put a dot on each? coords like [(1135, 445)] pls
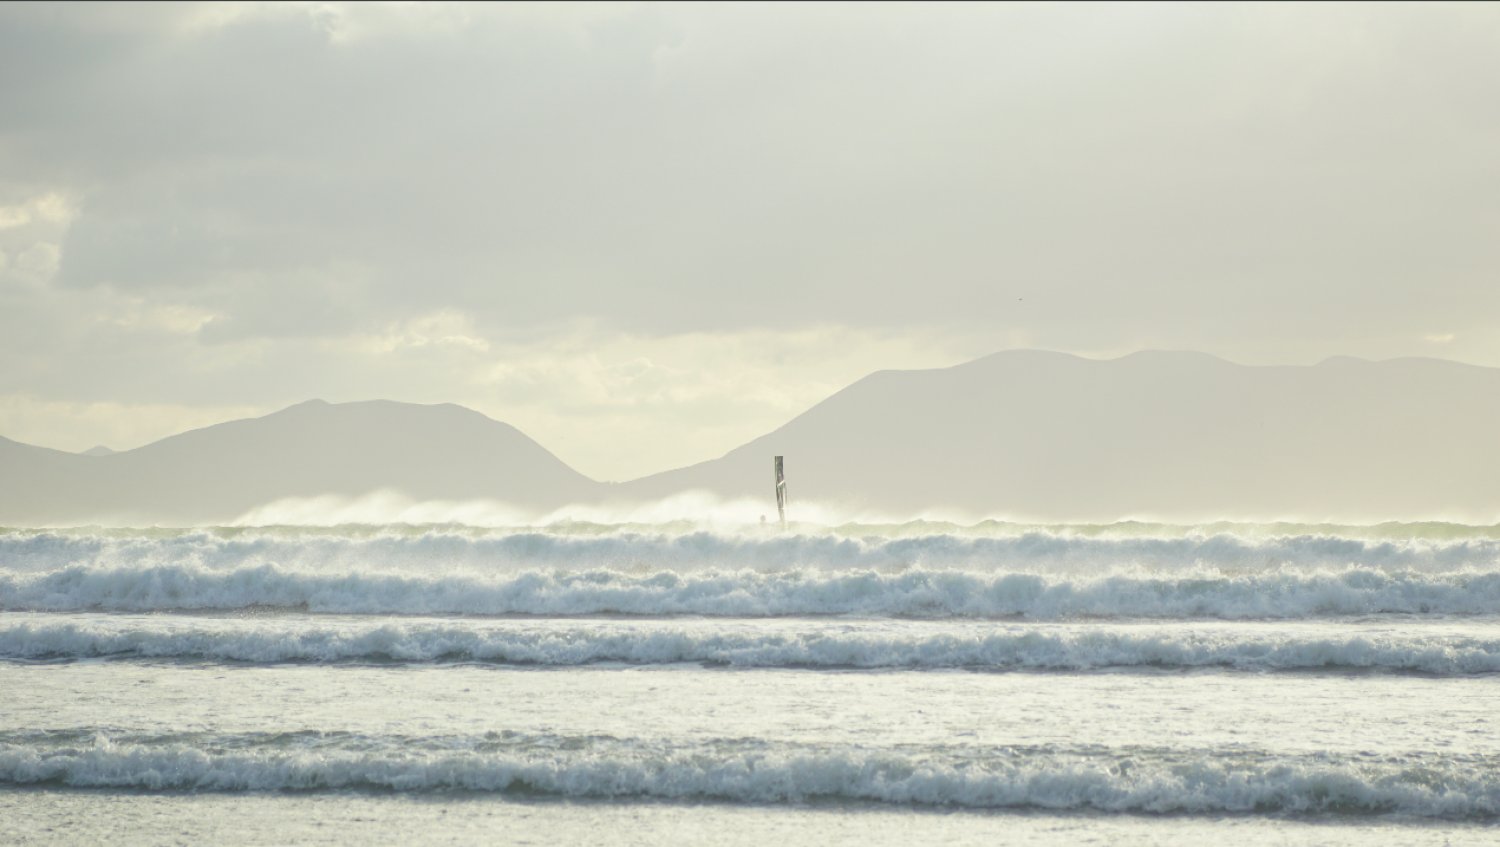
[(634, 684)]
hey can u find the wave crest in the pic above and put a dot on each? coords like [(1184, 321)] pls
[(381, 548), (1131, 780), (746, 593), (1050, 647)]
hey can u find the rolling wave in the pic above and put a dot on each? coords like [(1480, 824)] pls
[(992, 648), (745, 771), (371, 549), (1273, 594)]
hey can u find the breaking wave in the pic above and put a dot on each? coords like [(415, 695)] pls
[(1274, 594), (748, 771), (381, 549), (829, 646)]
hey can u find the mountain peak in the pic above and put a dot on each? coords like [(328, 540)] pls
[(1179, 435), (314, 449)]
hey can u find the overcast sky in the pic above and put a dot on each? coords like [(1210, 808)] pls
[(646, 234)]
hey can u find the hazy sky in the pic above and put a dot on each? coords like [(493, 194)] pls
[(646, 234)]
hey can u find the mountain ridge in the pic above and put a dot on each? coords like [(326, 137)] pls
[(216, 473), (1020, 433), (1063, 437)]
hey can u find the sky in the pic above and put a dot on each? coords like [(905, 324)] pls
[(645, 234)]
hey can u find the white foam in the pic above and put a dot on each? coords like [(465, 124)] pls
[(754, 772), (749, 593), (489, 551), (1013, 647), (1036, 575)]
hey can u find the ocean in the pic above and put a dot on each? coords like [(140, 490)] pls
[(863, 684)]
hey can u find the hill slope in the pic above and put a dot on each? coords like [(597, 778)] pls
[(1172, 435), (1027, 434), (217, 473)]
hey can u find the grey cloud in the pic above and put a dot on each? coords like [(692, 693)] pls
[(1252, 180)]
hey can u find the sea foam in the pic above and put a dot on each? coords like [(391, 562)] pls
[(779, 645), (1035, 575), (48, 550), (1123, 780), (747, 593)]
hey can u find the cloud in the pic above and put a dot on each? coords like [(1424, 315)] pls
[(613, 405), (643, 233), (669, 170), (32, 228), (75, 427), (443, 328), (620, 405), (39, 260)]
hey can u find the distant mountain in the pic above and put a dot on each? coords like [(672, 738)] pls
[(1026, 434), (1175, 435), (98, 450), (218, 473)]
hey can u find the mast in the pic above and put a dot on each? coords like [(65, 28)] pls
[(781, 493)]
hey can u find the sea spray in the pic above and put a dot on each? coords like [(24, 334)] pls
[(367, 549), (1200, 593)]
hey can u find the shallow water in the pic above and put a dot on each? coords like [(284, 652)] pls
[(81, 817)]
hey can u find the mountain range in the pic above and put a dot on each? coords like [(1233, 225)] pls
[(1027, 434)]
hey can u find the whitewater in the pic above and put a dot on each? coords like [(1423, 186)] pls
[(1134, 683)]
